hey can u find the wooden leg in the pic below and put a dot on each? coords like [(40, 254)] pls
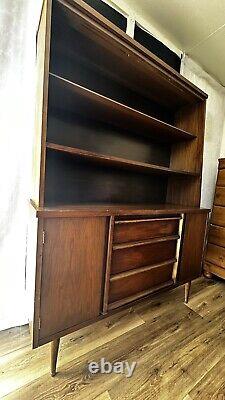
[(54, 355), (187, 288), (208, 274)]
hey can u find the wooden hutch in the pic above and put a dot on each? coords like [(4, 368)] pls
[(117, 173)]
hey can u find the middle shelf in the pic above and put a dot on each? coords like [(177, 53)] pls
[(118, 162)]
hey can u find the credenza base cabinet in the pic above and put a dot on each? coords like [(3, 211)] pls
[(90, 266), (117, 173)]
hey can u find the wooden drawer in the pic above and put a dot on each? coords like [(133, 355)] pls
[(219, 196), (221, 178), (218, 216), (129, 284), (129, 231), (216, 255), (217, 235), (135, 255)]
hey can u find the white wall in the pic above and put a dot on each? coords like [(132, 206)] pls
[(18, 23), (215, 117)]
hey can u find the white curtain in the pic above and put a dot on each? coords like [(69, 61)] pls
[(18, 24)]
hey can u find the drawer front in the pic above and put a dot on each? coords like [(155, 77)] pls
[(216, 255), (126, 286), (129, 258), (129, 231), (221, 178), (218, 216), (219, 196), (217, 235)]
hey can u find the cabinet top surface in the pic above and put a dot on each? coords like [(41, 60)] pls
[(113, 210)]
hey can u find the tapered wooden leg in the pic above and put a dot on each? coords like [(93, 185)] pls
[(54, 355), (187, 288), (208, 274)]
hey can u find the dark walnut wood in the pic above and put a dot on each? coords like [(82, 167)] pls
[(139, 255), (192, 248), (117, 174), (133, 282), (215, 251), (134, 230), (72, 272)]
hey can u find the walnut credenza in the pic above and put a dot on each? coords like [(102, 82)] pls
[(92, 262)]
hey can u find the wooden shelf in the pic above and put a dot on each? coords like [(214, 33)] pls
[(101, 108), (139, 68), (119, 162), (106, 209)]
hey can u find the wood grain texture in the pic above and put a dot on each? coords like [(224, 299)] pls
[(221, 178), (189, 156), (43, 57), (215, 255), (108, 265), (138, 230), (193, 241), (218, 216), (73, 261), (131, 284), (114, 161), (105, 109), (212, 269), (139, 256), (170, 362), (107, 209), (119, 45), (219, 199), (216, 235)]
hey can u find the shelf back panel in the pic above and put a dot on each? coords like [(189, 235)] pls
[(72, 181), (78, 58), (99, 137)]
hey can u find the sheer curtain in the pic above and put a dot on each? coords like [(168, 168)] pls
[(18, 25)]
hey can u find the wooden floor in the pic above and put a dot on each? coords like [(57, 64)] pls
[(179, 349)]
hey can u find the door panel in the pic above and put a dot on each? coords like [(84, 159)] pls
[(193, 239), (72, 272)]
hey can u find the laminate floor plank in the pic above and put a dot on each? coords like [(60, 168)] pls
[(179, 350), (25, 365), (212, 385), (13, 339)]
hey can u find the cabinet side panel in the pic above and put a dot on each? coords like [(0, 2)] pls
[(72, 272), (188, 156), (192, 247), (42, 72)]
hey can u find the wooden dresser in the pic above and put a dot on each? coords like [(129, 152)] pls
[(215, 252), (117, 174)]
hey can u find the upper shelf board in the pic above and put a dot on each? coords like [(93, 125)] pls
[(139, 68), (95, 106)]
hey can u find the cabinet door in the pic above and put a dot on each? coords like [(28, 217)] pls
[(71, 274), (192, 247)]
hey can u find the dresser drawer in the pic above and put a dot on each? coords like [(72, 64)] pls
[(215, 255), (221, 178), (129, 284), (137, 255), (129, 231)]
